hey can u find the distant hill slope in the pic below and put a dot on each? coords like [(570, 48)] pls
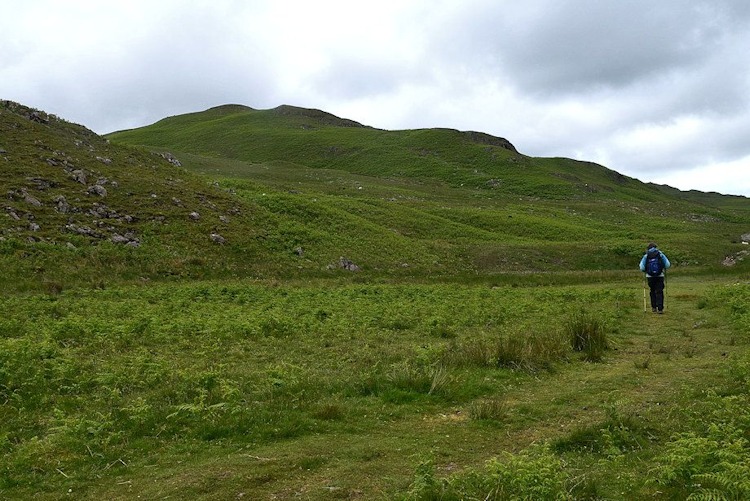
[(317, 139), (465, 198)]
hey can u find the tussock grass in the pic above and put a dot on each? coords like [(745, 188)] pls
[(588, 335), (516, 350), (489, 410)]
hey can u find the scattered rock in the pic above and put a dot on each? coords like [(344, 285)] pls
[(79, 176), (194, 216), (34, 227), (41, 183), (224, 219), (171, 159), (62, 204), (31, 200), (216, 238), (299, 251), (177, 201), (347, 264), (127, 239), (97, 189), (745, 237), (104, 160), (83, 230), (732, 260), (3, 151), (102, 211)]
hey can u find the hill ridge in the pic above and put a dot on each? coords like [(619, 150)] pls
[(238, 192)]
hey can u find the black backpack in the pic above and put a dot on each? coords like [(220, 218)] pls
[(654, 263)]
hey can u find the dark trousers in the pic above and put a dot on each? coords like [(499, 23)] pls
[(656, 286)]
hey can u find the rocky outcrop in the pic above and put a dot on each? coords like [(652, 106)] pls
[(490, 140)]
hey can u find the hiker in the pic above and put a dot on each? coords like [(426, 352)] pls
[(653, 264)]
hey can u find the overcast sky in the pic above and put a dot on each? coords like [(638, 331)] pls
[(657, 90)]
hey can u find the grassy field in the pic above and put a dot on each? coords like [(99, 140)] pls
[(326, 391), (492, 345)]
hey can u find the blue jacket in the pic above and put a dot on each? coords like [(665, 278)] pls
[(664, 261)]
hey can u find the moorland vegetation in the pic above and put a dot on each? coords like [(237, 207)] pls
[(273, 304)]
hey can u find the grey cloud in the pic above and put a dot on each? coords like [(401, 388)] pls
[(552, 48)]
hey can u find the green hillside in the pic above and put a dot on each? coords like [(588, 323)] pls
[(287, 193), (442, 199), (316, 139)]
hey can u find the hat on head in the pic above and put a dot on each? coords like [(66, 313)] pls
[(651, 245)]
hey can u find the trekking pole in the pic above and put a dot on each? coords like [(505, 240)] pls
[(644, 293), (664, 298)]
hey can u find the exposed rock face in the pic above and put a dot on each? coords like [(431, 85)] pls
[(490, 140), (316, 116), (39, 116)]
